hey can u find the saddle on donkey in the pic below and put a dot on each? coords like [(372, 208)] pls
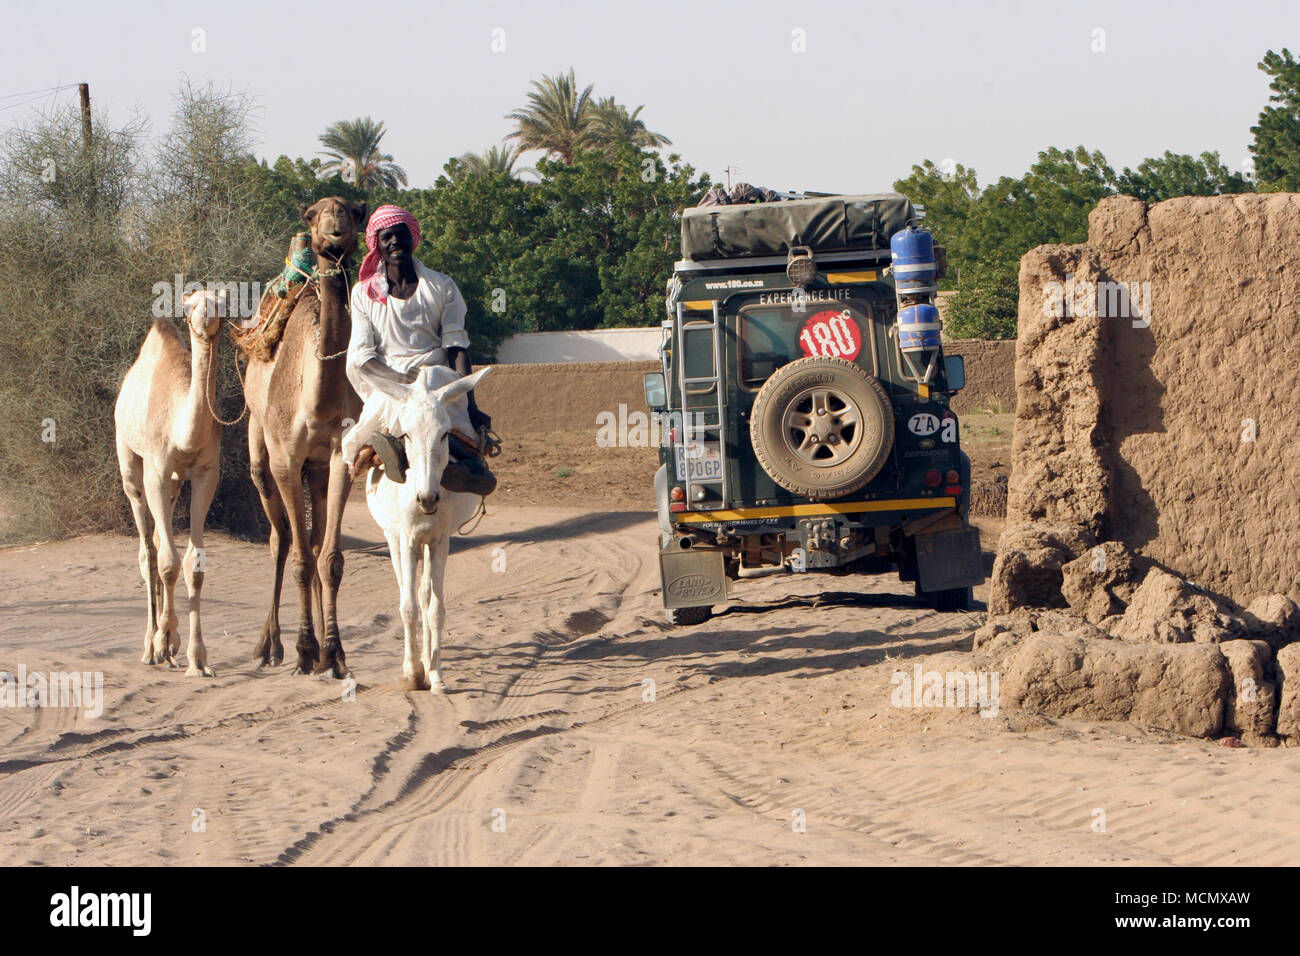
[(380, 429)]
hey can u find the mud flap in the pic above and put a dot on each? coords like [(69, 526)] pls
[(949, 559), (693, 578)]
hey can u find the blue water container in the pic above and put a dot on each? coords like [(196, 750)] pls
[(918, 328), (912, 255)]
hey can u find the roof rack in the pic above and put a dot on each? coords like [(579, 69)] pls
[(773, 262), (803, 194)]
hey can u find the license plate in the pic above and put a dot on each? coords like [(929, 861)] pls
[(700, 461)]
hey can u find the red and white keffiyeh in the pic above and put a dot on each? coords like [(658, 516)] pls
[(371, 277)]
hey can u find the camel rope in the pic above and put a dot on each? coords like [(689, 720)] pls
[(213, 412), (207, 396), (318, 273)]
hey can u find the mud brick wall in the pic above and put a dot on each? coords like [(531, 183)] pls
[(990, 374), (1137, 429)]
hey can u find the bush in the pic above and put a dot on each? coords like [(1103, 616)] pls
[(986, 303), (85, 233)]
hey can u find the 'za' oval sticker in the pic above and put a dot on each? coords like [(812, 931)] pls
[(923, 423)]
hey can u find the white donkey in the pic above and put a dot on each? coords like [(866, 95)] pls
[(417, 516)]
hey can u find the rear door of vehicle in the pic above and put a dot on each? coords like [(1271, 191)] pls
[(769, 330)]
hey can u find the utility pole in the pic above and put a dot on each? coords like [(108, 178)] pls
[(84, 89), (86, 151), (729, 170)]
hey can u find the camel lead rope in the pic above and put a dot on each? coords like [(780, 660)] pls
[(213, 412), (318, 273)]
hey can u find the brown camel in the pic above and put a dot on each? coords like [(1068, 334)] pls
[(298, 401), (167, 432)]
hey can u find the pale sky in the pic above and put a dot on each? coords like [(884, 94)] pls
[(878, 87)]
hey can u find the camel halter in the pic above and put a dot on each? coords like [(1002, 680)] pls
[(317, 274), (210, 340)]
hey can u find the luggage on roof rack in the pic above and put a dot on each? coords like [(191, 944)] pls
[(826, 224)]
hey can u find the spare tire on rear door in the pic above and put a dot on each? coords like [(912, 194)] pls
[(822, 427)]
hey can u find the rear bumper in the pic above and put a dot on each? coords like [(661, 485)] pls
[(776, 517)]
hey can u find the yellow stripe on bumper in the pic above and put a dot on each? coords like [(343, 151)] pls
[(792, 511), (838, 277)]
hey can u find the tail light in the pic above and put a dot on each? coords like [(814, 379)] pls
[(933, 478)]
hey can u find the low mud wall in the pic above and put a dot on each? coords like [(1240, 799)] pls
[(539, 398)]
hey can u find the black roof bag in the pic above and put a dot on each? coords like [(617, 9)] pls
[(825, 224)]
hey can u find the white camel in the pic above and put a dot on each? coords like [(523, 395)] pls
[(167, 432), (417, 516)]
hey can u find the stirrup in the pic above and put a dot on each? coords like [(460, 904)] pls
[(489, 441)]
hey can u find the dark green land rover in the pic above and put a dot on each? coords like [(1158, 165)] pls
[(805, 402)]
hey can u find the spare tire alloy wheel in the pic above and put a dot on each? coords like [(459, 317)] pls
[(822, 427)]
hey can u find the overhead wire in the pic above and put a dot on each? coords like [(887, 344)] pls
[(39, 95), (52, 89)]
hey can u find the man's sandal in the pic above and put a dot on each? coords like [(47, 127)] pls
[(391, 454)]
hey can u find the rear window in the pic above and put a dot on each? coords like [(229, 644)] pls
[(775, 335)]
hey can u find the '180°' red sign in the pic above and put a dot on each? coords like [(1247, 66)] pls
[(831, 334)]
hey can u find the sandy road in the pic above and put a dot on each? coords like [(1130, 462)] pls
[(578, 729)]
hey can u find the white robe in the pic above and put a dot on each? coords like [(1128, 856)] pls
[(404, 334)]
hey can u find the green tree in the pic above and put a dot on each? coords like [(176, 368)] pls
[(289, 185), (352, 151), (1277, 137), (591, 245), (948, 199), (605, 247), (612, 125), (494, 159), (1173, 175), (987, 305), (557, 119), (1050, 203)]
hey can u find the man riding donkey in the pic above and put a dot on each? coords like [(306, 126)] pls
[(405, 316)]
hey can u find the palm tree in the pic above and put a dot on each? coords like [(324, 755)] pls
[(612, 123), (494, 159), (353, 150), (557, 119)]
